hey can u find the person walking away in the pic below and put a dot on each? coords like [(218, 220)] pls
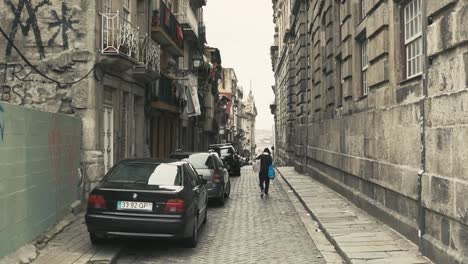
[(265, 161)]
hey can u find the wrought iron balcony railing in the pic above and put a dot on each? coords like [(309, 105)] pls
[(150, 54), (164, 20), (186, 16), (119, 36)]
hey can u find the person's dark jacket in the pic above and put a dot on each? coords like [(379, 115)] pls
[(265, 161)]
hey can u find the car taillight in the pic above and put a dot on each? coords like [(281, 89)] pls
[(216, 176), (96, 201), (175, 206)]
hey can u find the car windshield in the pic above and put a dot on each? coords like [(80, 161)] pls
[(199, 161), (164, 174)]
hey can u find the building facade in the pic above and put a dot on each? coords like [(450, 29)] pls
[(369, 99), (227, 88), (248, 116), (135, 73)]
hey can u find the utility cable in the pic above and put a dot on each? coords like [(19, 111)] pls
[(60, 84)]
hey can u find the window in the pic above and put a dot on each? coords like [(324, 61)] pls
[(363, 8), (146, 174), (190, 176), (364, 66), (201, 161), (412, 18), (127, 9), (107, 6), (340, 68)]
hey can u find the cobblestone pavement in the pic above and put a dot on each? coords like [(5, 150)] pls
[(72, 246), (247, 229)]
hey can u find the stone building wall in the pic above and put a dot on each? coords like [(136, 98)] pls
[(56, 38), (62, 39), (377, 146), (445, 183)]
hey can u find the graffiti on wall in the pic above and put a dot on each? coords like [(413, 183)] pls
[(12, 76), (63, 150), (64, 23), (27, 25), (2, 123), (25, 18)]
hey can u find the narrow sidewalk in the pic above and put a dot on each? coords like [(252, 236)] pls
[(360, 238), (72, 246)]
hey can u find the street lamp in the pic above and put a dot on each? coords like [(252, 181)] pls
[(197, 60)]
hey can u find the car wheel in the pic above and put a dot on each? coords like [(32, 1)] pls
[(95, 239), (238, 172), (228, 191), (192, 241)]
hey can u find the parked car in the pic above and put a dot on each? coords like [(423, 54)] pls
[(210, 166), (148, 198), (230, 158)]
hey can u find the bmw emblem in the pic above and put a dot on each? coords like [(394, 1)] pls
[(135, 196)]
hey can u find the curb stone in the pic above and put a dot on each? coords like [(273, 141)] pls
[(320, 226), (327, 250), (357, 236)]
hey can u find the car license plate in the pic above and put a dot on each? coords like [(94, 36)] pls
[(126, 205)]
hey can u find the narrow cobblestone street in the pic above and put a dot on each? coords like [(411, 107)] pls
[(246, 230)]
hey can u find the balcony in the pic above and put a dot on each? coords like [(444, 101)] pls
[(119, 38), (166, 96), (186, 16), (149, 60), (167, 31)]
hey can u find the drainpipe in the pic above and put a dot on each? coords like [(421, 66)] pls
[(421, 214), (306, 6)]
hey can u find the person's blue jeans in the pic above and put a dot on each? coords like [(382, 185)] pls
[(264, 183)]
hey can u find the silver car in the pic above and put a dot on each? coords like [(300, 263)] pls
[(210, 166)]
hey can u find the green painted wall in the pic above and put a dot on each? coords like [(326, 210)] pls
[(39, 160)]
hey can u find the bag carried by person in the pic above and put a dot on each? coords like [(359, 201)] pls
[(271, 171), (256, 166)]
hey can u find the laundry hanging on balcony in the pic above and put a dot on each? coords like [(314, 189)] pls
[(180, 35), (193, 103)]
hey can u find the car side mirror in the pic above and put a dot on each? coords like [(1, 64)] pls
[(203, 181)]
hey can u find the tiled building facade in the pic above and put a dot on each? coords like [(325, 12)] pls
[(370, 99)]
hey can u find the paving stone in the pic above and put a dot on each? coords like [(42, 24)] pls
[(72, 246), (362, 238), (247, 229)]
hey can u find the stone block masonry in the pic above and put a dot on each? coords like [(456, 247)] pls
[(386, 131), (39, 177)]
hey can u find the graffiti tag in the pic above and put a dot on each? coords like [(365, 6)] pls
[(10, 72), (30, 23), (63, 23)]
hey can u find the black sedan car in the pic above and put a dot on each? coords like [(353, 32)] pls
[(148, 198)]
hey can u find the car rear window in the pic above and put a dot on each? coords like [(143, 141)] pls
[(224, 152), (201, 161), (164, 174)]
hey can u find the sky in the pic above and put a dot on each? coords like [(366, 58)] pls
[(243, 32)]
